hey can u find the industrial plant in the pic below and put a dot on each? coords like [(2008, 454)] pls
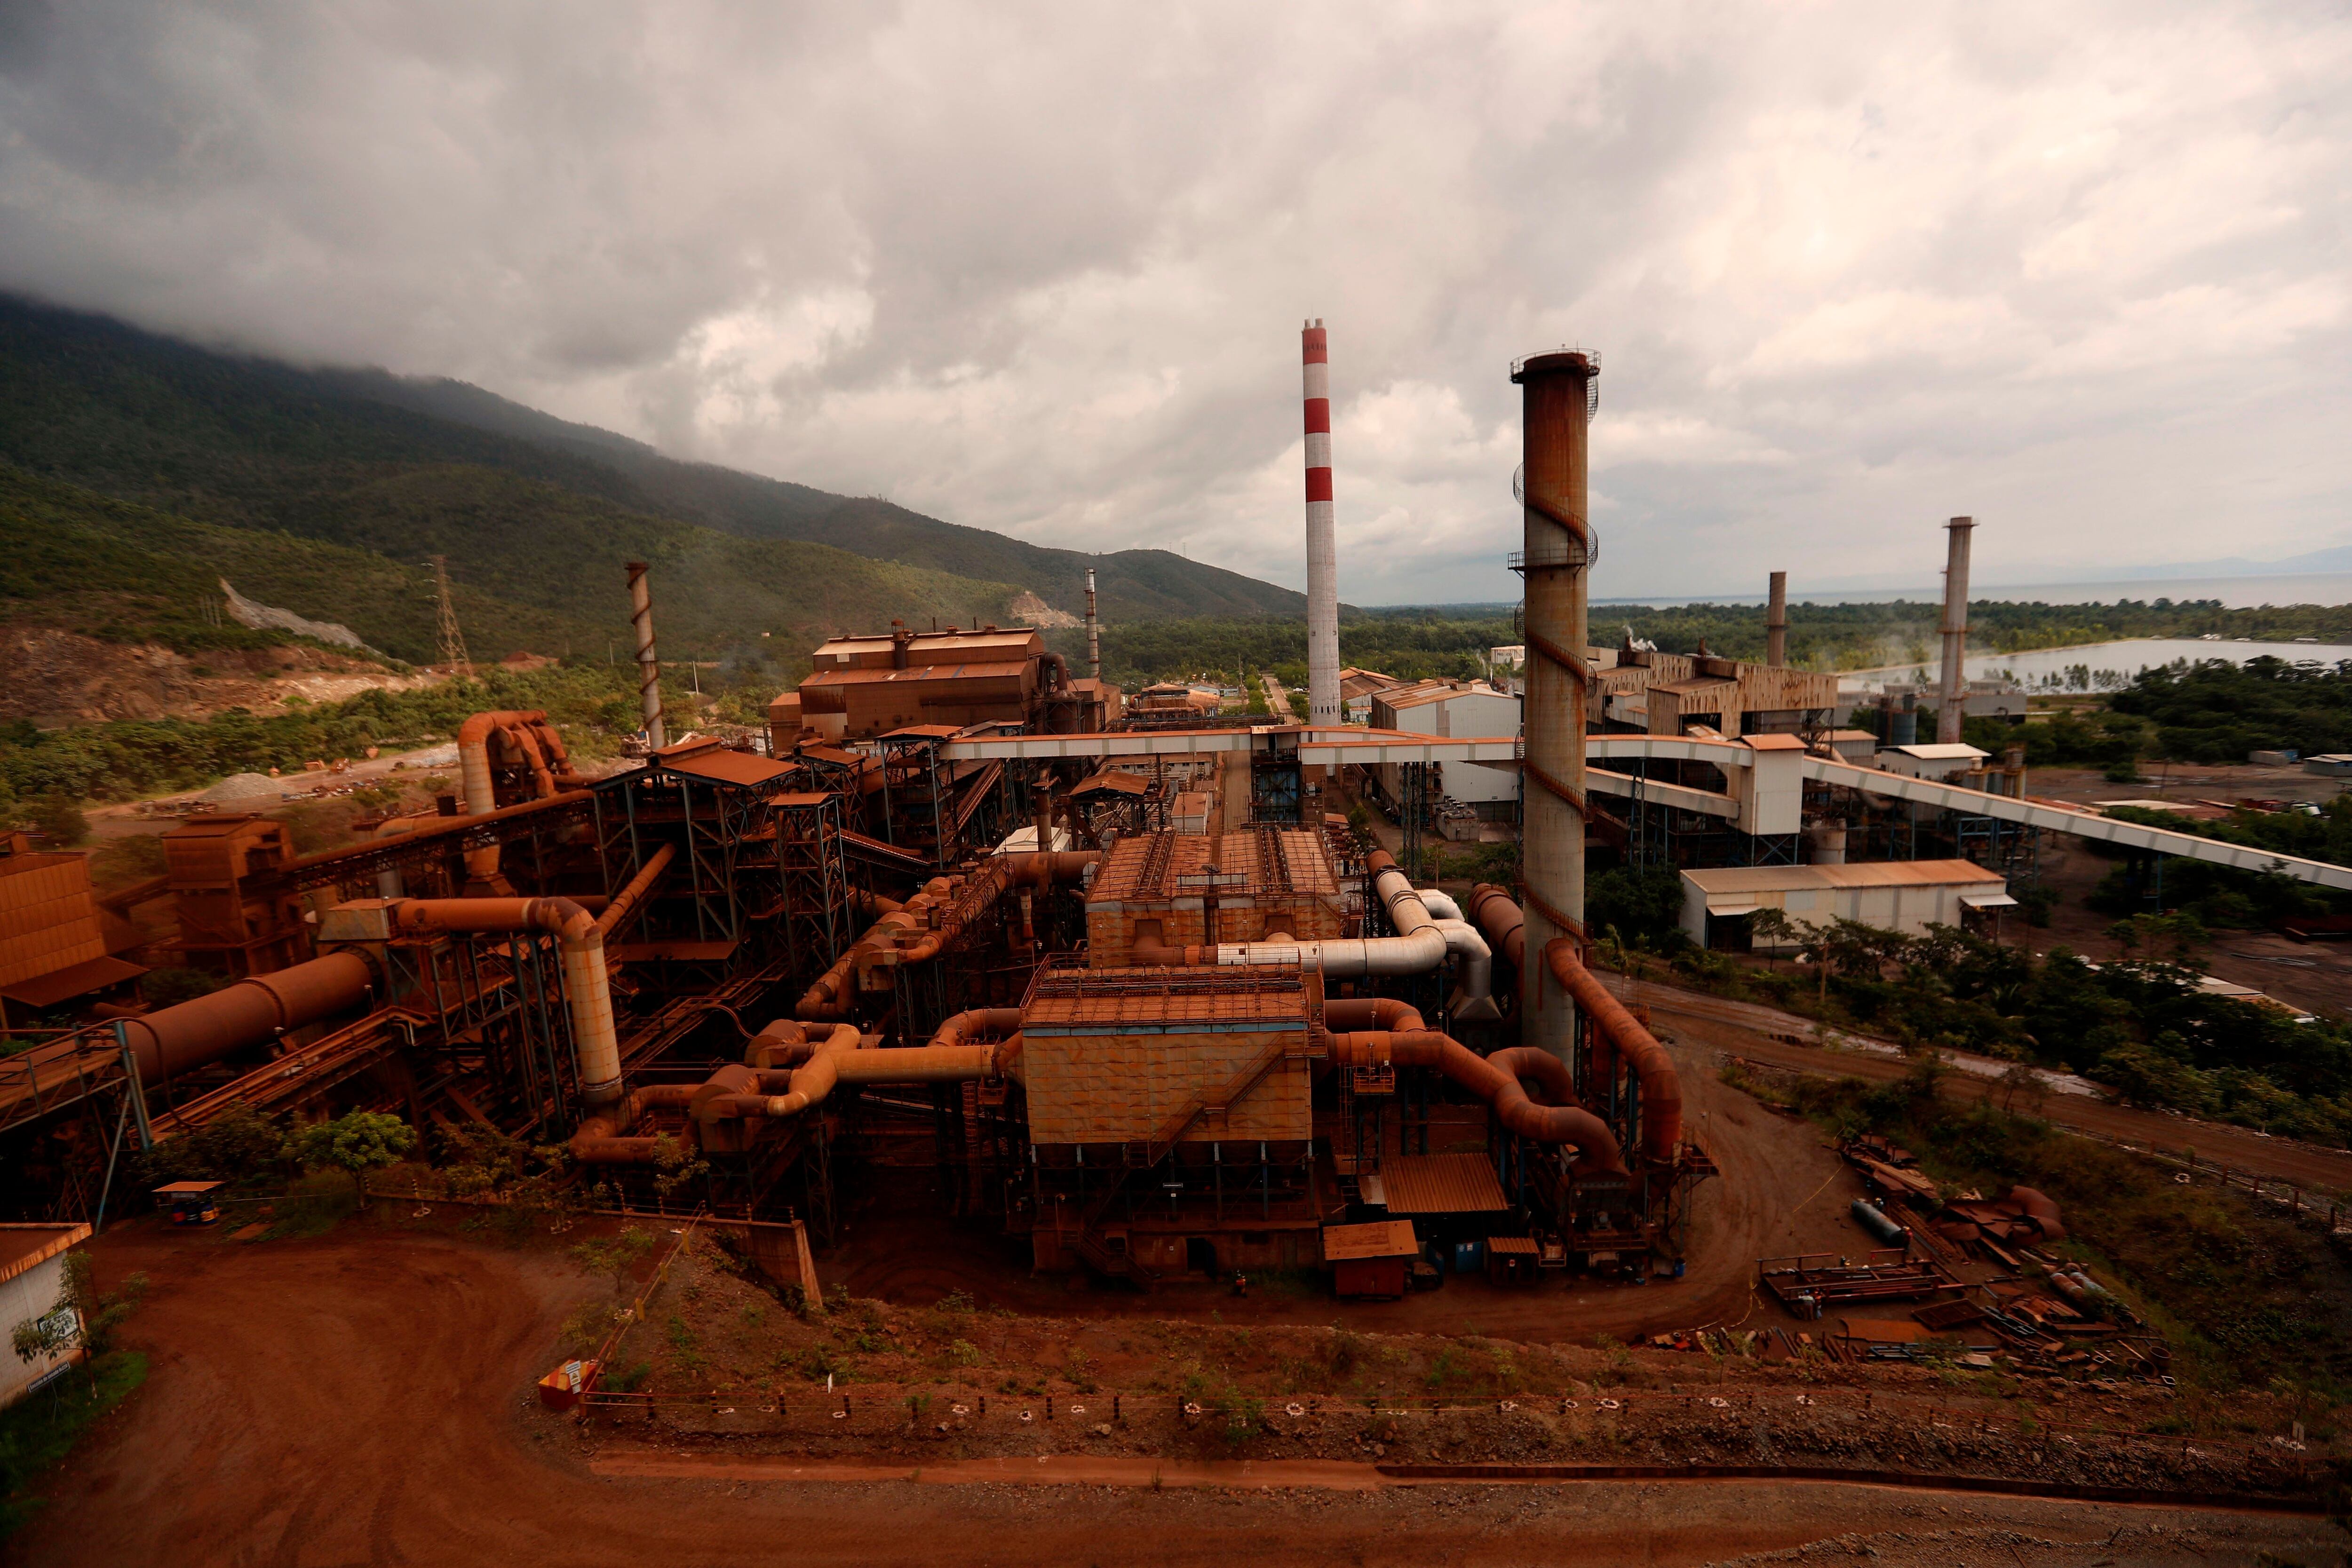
[(1157, 1008)]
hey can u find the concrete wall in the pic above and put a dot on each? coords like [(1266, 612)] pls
[(29, 1295)]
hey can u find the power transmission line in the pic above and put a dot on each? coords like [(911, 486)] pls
[(453, 641)]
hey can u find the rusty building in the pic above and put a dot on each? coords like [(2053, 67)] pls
[(862, 687)]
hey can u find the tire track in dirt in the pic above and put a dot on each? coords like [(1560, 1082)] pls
[(365, 1398)]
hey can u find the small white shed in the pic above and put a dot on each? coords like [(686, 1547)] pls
[(32, 1272)]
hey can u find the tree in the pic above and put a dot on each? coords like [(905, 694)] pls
[(362, 1140), (1770, 927), (59, 818), (83, 1315)]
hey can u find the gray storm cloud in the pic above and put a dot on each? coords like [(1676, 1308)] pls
[(2078, 269)]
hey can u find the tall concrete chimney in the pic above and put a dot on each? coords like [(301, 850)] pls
[(1776, 621), (1952, 698), (1555, 412), (641, 615), (1322, 543), (1094, 630)]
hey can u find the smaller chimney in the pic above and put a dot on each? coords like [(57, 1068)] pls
[(1775, 622), (641, 615), (1951, 701), (1094, 630)]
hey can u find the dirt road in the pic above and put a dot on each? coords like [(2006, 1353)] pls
[(1746, 1029), (364, 1398)]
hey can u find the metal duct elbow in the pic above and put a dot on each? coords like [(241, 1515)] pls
[(1662, 1093), (978, 1023), (260, 1007), (1343, 1014), (1496, 1081), (1473, 963), (1500, 916), (587, 985), (783, 1044), (1441, 905), (1559, 1119)]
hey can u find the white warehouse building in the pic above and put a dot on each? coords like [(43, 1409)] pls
[(1466, 708), (1908, 896)]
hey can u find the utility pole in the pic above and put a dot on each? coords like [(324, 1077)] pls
[(453, 641)]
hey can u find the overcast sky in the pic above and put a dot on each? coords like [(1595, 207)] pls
[(2078, 269)]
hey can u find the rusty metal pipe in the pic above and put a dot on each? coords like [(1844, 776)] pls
[(626, 899), (587, 985), (1383, 1014), (1661, 1092), (829, 998), (1495, 1081), (259, 1007), (1500, 916), (977, 1023)]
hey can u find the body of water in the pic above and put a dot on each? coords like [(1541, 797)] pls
[(2104, 666), (2235, 593)]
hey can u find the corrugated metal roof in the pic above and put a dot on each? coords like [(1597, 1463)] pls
[(1870, 874), (737, 768), (75, 980), (1113, 781), (1378, 1238), (25, 1247), (1263, 861), (1138, 1001), (1442, 1183), (916, 672)]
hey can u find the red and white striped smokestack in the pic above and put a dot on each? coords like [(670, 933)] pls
[(1322, 541)]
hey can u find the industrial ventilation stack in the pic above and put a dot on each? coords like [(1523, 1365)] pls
[(641, 615), (1094, 630), (1775, 622), (1952, 701), (1557, 409), (1322, 543)]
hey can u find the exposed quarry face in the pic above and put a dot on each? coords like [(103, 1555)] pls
[(65, 677)]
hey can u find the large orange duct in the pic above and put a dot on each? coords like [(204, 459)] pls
[(1662, 1090), (1505, 925), (535, 742), (180, 1038), (955, 903), (1344, 1013), (587, 986), (1496, 1080)]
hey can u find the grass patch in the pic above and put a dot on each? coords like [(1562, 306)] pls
[(313, 1205), (39, 1431)]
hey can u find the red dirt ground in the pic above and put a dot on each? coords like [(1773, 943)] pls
[(364, 1398)]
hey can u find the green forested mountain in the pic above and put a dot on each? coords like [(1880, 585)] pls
[(535, 514), (1132, 584), (532, 566)]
